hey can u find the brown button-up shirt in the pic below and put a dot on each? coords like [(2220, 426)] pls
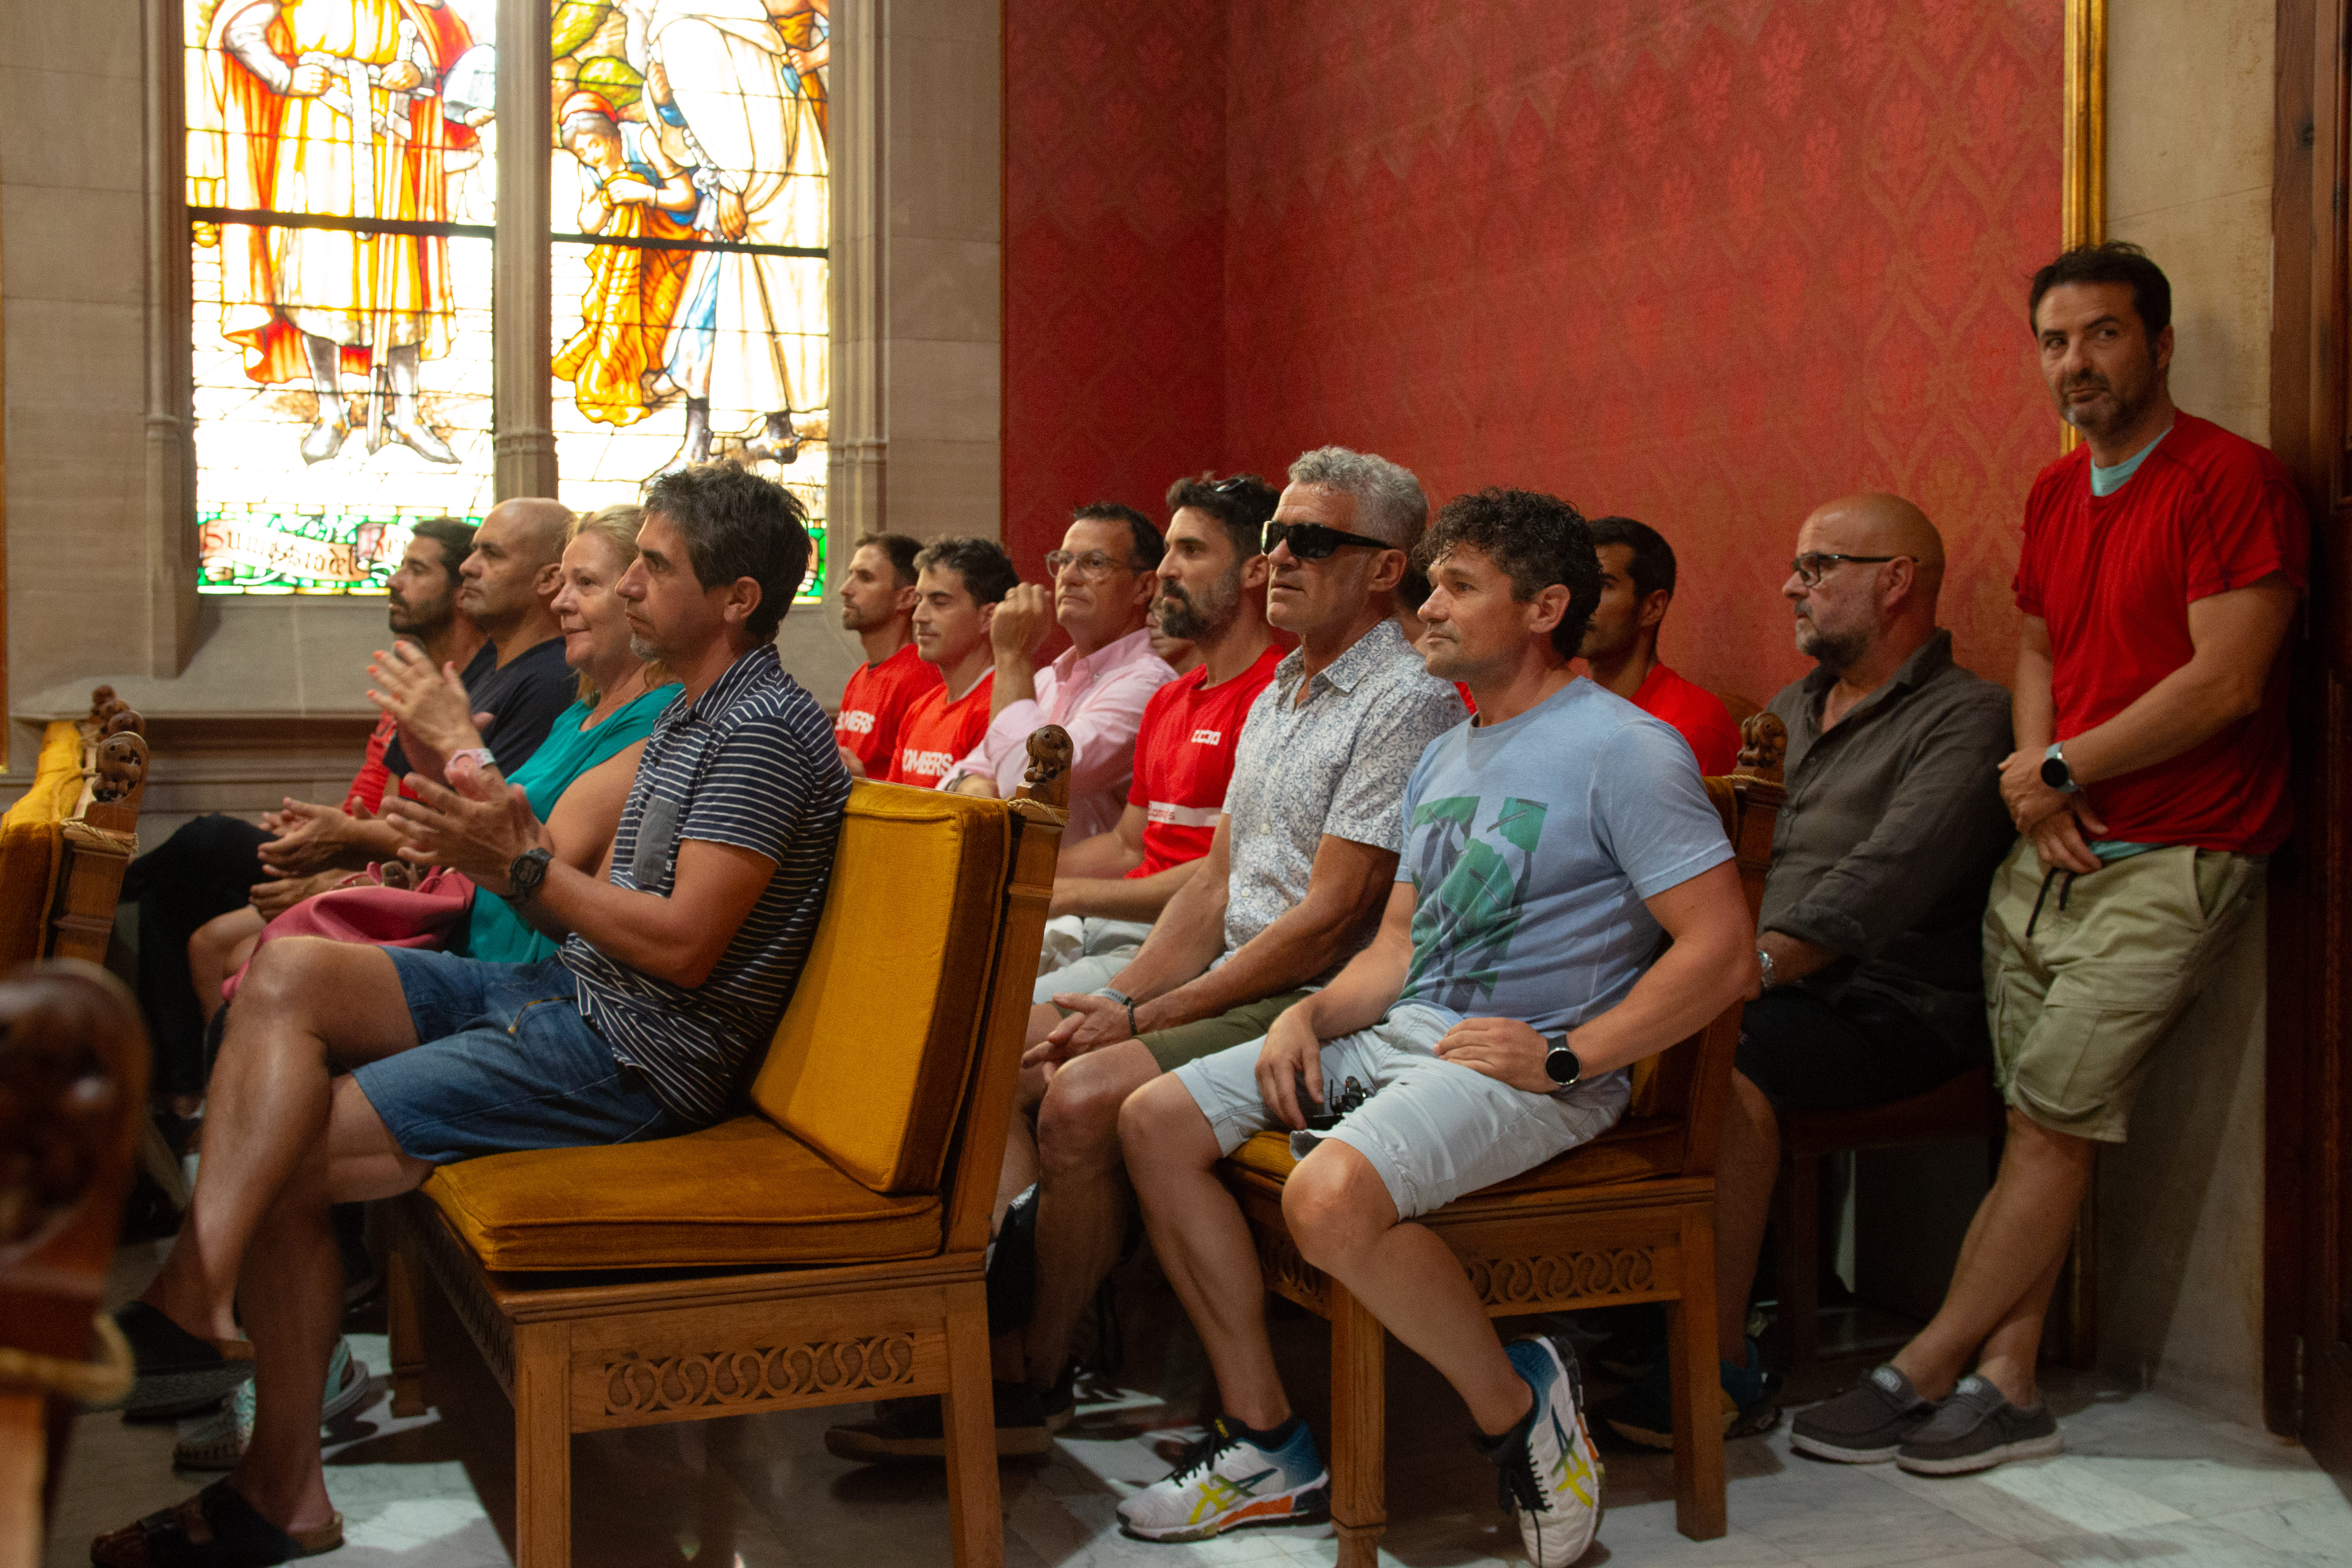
[(1892, 827)]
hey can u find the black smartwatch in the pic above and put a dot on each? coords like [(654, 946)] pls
[(1566, 1071), (2054, 771), (524, 876)]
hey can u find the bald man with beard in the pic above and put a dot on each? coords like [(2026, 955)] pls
[(1869, 936)]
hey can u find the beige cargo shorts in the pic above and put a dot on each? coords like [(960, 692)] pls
[(2084, 974)]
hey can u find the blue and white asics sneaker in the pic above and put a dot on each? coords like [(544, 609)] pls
[(1550, 1476), (1225, 1481)]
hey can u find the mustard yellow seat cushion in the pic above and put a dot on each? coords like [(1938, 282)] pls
[(868, 1066), (56, 779), (1637, 1149), (742, 1194), (30, 837)]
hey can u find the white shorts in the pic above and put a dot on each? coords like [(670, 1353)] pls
[(1082, 952), (1433, 1129)]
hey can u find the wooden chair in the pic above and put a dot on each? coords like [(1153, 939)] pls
[(73, 1097), (65, 846), (1967, 1107), (826, 1248), (1627, 1217)]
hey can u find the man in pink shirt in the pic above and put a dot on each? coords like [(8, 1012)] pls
[(1103, 577)]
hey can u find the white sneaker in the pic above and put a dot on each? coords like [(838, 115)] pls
[(1550, 1476), (218, 1442), (1224, 1481)]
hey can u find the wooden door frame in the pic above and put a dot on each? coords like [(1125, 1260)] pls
[(2305, 1368)]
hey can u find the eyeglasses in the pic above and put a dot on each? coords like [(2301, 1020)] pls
[(1813, 565), (1093, 564), (1313, 541)]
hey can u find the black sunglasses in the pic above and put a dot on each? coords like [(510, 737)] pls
[(1313, 541)]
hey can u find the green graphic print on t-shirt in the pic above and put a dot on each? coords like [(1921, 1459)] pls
[(1471, 888)]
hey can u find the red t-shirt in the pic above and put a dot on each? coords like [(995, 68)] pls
[(937, 733), (369, 783), (2113, 576), (1184, 759), (1697, 712), (877, 701)]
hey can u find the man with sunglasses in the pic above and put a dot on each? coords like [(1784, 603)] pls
[(1297, 870), (1104, 577), (1868, 936)]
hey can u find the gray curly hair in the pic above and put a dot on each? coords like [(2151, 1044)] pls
[(1389, 500)]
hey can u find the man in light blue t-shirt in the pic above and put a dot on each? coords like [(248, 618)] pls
[(1549, 842)]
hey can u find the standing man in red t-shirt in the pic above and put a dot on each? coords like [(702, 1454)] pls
[(959, 583), (1108, 889), (2161, 568), (1621, 646), (877, 602)]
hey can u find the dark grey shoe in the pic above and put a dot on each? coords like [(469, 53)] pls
[(1978, 1428), (1866, 1424)]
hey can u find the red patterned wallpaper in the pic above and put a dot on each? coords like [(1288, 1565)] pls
[(1707, 264), (1114, 255)]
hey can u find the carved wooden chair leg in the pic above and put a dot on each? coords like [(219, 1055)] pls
[(975, 1523), (401, 1322), (543, 1413), (1359, 1429), (1699, 1510)]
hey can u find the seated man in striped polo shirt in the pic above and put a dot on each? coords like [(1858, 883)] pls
[(349, 1072)]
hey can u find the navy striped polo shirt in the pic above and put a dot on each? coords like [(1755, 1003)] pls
[(750, 762)]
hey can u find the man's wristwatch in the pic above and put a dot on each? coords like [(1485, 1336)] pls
[(1764, 963), (1560, 1062), (525, 874), (2055, 773)]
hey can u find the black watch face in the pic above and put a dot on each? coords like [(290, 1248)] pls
[(2054, 772), (1562, 1063)]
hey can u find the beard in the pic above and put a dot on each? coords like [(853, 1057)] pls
[(2126, 404), (643, 649), (420, 619), (1191, 620), (1833, 651)]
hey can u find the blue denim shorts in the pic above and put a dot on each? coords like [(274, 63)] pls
[(506, 1062)]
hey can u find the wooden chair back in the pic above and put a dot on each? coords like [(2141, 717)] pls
[(65, 846), (73, 1095)]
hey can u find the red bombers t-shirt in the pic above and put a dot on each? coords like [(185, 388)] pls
[(1184, 759), (2114, 577), (1697, 712), (875, 704), (937, 733)]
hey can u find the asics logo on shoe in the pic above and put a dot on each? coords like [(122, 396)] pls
[(1218, 1493), (1572, 1471)]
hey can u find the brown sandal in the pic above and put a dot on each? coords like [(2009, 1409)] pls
[(217, 1528)]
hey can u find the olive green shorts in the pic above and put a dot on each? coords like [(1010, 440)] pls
[(1171, 1048), (2085, 974)]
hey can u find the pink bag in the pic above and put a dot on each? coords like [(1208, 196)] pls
[(423, 916)]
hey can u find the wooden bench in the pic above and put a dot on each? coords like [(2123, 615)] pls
[(824, 1248), (1628, 1217)]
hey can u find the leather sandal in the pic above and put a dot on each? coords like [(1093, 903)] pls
[(217, 1528), (177, 1369)]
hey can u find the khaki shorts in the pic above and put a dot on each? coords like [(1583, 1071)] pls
[(1171, 1048), (2079, 991)]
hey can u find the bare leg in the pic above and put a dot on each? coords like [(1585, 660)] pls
[(2008, 1265), (218, 949), (308, 1008), (1341, 1214), (1020, 1168), (1204, 1243), (294, 1302), (1082, 1195), (1747, 1164)]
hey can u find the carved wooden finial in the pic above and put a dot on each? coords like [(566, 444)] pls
[(73, 1082), (1047, 781), (121, 763), (1763, 742)]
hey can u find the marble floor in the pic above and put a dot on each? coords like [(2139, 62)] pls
[(2145, 1479)]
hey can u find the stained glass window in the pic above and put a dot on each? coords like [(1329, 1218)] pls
[(342, 172)]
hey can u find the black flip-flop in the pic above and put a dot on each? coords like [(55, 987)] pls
[(176, 1369), (217, 1528)]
